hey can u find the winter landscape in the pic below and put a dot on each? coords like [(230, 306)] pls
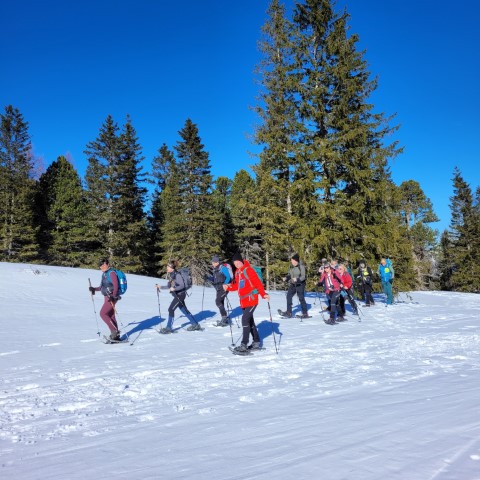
[(391, 394)]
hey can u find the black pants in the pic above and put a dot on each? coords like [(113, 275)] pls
[(333, 298), (248, 325), (178, 300), (300, 291), (368, 294), (220, 301)]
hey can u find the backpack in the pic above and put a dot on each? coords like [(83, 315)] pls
[(258, 271), (122, 280), (230, 271), (186, 276)]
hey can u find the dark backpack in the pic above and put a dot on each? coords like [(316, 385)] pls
[(122, 280), (186, 276)]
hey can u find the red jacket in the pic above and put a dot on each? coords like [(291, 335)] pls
[(330, 282), (345, 279), (248, 284)]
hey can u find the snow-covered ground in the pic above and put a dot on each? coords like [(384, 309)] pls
[(393, 396)]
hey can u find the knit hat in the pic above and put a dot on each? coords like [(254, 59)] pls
[(296, 257), (215, 259), (103, 261), (237, 257)]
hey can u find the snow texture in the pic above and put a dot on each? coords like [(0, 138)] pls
[(395, 395)]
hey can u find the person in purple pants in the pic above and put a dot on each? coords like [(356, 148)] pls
[(109, 289)]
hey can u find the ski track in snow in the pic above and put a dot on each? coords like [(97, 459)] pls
[(72, 385)]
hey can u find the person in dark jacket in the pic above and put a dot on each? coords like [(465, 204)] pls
[(296, 279), (220, 276), (178, 288), (109, 289), (365, 279)]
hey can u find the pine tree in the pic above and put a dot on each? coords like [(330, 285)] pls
[(286, 186), (417, 213), (463, 250), (115, 196), (163, 173), (345, 139), (197, 233), (18, 232), (221, 202), (244, 215), (62, 211)]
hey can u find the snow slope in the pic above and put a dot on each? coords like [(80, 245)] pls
[(393, 396)]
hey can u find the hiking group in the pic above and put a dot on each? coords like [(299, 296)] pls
[(337, 280)]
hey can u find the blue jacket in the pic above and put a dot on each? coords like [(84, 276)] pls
[(386, 272)]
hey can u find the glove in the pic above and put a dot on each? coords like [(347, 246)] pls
[(391, 280), (92, 290), (294, 280)]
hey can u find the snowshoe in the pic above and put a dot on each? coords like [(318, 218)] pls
[(194, 326), (255, 346), (109, 340), (303, 315), (241, 350), (166, 331), (284, 314), (224, 322)]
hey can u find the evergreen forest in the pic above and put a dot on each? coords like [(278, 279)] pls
[(320, 186)]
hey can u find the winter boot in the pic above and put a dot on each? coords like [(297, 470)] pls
[(170, 323), (340, 318), (115, 336), (255, 346), (193, 327), (224, 322), (165, 331), (304, 315), (285, 314), (242, 348)]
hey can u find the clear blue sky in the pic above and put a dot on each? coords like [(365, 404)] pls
[(67, 65)]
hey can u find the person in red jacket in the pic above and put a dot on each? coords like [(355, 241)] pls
[(249, 287), (332, 290), (346, 282)]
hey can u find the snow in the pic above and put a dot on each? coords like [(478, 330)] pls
[(393, 396)]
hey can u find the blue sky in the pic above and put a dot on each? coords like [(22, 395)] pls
[(67, 65)]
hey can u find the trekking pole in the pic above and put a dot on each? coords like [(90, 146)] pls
[(158, 300), (229, 312), (94, 309), (230, 307), (119, 321), (273, 331)]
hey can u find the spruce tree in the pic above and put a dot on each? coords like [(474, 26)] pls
[(198, 235), (163, 168), (417, 212), (221, 201), (62, 212), (463, 251), (18, 232), (115, 196)]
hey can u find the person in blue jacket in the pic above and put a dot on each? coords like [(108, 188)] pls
[(220, 276), (386, 274)]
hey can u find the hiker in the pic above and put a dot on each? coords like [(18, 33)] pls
[(365, 279), (109, 289), (345, 281), (386, 274), (177, 285), (220, 276), (332, 289), (296, 279), (249, 287)]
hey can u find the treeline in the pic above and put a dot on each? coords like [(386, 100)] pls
[(321, 187)]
